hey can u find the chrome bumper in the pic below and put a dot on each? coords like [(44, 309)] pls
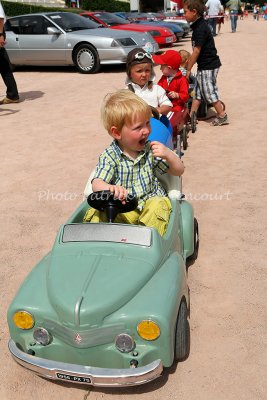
[(81, 374)]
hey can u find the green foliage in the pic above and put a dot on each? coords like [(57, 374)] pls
[(12, 9), (106, 5)]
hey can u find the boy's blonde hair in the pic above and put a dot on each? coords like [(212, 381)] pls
[(123, 107), (198, 5), (185, 56)]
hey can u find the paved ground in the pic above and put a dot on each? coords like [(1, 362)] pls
[(50, 142)]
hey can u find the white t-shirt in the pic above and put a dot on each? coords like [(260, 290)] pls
[(2, 13), (214, 7), (154, 96)]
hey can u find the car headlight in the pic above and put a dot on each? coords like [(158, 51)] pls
[(23, 319), (124, 343), (124, 42), (42, 336), (148, 330)]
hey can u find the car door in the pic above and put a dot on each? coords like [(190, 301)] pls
[(36, 45)]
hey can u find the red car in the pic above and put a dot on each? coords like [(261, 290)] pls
[(163, 36)]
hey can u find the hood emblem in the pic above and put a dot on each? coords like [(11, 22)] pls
[(78, 338)]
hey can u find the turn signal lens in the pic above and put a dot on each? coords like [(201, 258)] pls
[(148, 330), (23, 320)]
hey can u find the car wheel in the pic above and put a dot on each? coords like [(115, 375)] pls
[(193, 122), (178, 148), (86, 59), (182, 333), (185, 132)]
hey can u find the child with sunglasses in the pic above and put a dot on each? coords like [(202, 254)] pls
[(140, 80)]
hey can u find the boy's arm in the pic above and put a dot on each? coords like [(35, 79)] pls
[(176, 166), (192, 60), (119, 191), (164, 109)]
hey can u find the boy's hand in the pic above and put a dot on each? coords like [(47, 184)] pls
[(159, 150), (119, 192), (173, 95)]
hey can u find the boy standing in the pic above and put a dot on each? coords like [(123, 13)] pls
[(130, 163), (208, 62)]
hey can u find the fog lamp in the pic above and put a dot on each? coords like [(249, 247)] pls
[(148, 330), (124, 343), (42, 336), (23, 320)]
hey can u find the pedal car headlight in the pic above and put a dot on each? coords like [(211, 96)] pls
[(42, 336), (23, 320), (124, 343), (148, 330)]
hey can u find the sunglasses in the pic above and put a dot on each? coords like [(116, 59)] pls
[(141, 56)]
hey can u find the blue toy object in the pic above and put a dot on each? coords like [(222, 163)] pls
[(160, 132)]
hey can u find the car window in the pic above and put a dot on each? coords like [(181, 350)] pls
[(70, 22), (111, 19), (29, 25)]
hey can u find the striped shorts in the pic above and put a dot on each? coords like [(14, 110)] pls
[(206, 86)]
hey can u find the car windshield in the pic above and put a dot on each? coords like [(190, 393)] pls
[(70, 22), (111, 19)]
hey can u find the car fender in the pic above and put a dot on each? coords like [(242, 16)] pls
[(187, 228)]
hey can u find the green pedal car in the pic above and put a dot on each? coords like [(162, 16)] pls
[(109, 304)]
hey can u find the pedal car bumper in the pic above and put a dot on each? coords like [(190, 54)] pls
[(81, 374)]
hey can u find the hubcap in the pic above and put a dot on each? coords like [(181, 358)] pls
[(85, 59)]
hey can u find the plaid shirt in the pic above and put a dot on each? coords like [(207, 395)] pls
[(137, 176)]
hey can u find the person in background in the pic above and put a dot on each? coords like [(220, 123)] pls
[(220, 20), (234, 6), (214, 8), (12, 95), (208, 62)]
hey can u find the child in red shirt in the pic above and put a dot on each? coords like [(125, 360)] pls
[(172, 80)]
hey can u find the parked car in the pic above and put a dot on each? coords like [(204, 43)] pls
[(175, 28), (182, 23), (109, 304), (163, 36), (63, 38)]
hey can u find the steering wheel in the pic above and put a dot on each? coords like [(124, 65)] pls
[(103, 200)]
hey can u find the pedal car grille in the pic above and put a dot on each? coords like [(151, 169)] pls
[(84, 339)]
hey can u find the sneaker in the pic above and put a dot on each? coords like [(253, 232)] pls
[(6, 100), (220, 121)]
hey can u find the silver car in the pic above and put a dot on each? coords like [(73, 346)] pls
[(63, 38)]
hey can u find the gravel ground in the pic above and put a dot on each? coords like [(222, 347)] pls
[(49, 143)]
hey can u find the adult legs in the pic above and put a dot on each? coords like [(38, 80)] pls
[(233, 22), (212, 23), (7, 75)]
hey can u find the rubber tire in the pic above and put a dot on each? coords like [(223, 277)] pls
[(182, 333), (193, 122), (178, 147), (196, 242), (184, 133), (90, 51)]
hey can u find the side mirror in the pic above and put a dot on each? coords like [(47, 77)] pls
[(53, 31)]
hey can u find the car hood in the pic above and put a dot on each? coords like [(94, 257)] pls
[(139, 27), (102, 32), (86, 286)]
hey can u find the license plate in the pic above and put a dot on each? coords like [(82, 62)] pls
[(169, 40), (72, 378)]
